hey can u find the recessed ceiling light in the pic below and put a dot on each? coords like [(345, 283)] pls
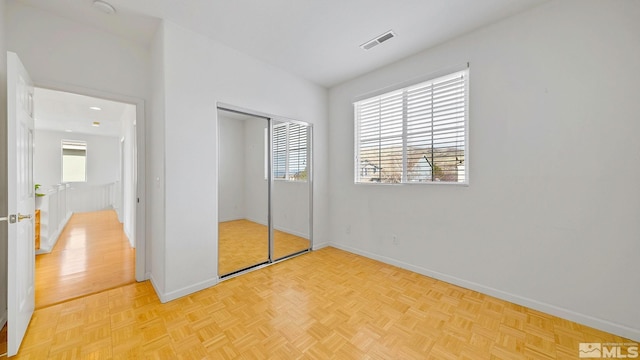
[(95, 123), (95, 108), (104, 6), (68, 130)]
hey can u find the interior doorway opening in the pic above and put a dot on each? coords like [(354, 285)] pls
[(85, 168)]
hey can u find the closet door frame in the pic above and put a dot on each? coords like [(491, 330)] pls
[(270, 123)]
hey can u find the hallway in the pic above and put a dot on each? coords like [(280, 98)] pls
[(92, 255)]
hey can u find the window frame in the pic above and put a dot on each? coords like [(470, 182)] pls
[(62, 155), (401, 87)]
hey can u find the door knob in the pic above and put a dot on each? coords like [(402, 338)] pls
[(22, 217)]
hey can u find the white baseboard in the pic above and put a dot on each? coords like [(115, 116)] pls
[(126, 233), (173, 295), (279, 228), (604, 325), (155, 286), (292, 232), (256, 221), (321, 245), (229, 219), (47, 249)]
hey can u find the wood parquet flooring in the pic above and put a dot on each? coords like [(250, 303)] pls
[(3, 342), (328, 304), (243, 243), (92, 254)]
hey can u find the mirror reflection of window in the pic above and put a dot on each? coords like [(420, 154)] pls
[(264, 190), (290, 142), (291, 194)]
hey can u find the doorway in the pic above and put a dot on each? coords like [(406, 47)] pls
[(85, 169), (264, 189)]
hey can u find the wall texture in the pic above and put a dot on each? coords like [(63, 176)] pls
[(550, 218)]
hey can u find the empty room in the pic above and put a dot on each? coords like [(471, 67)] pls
[(339, 179)]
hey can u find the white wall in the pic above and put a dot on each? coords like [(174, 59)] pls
[(156, 246), (83, 59), (3, 167), (198, 73), (290, 203), (232, 173), (76, 54), (550, 218), (256, 187), (103, 157)]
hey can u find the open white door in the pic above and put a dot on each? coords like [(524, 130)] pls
[(21, 197)]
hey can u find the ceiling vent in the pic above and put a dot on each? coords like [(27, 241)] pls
[(378, 40)]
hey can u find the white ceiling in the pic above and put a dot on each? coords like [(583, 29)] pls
[(315, 39), (133, 26), (63, 111)]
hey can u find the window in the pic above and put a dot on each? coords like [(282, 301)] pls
[(414, 135), (290, 151), (74, 161)]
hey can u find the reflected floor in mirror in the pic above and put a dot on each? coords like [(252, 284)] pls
[(244, 243)]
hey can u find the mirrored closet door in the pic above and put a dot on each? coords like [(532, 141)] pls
[(264, 190), (291, 191)]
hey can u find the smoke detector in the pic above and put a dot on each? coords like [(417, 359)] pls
[(378, 40), (104, 6)]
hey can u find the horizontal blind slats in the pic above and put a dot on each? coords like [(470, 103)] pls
[(425, 121)]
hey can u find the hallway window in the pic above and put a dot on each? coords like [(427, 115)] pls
[(74, 161)]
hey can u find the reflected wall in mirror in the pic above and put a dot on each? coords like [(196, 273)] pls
[(243, 192), (291, 191)]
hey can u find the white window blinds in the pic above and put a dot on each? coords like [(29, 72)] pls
[(279, 144), (414, 135), (290, 144)]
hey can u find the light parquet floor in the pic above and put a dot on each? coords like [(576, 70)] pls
[(3, 342), (92, 254), (328, 304), (243, 243)]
